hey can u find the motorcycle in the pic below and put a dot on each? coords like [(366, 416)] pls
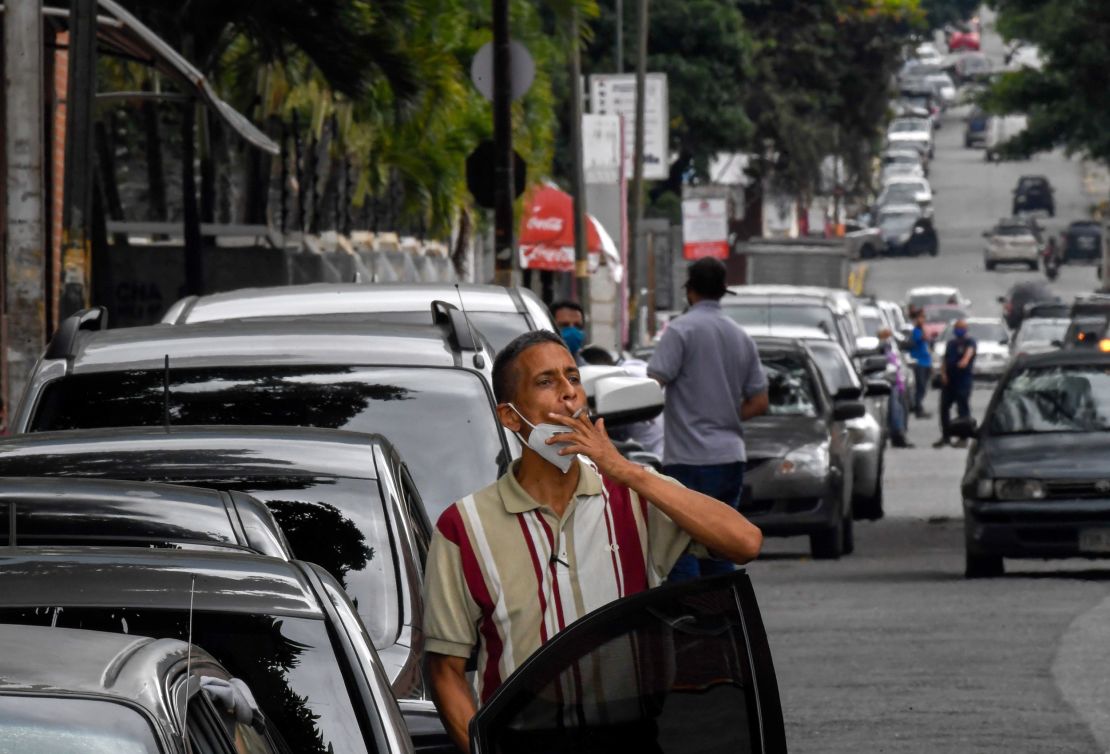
[(1051, 260)]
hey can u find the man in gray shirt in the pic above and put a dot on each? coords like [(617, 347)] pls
[(713, 378)]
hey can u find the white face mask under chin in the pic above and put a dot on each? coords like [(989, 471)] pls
[(537, 441)]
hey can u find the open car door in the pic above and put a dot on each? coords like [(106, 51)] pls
[(679, 669)]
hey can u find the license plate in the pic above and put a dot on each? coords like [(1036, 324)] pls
[(1094, 540)]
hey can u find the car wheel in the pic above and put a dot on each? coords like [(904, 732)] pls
[(989, 265), (1035, 265), (847, 536), (983, 566), (828, 544), (934, 249), (870, 507)]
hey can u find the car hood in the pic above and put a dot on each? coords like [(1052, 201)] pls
[(1050, 455), (775, 436)]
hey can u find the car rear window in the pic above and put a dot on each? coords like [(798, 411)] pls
[(790, 389), (288, 663), (776, 314), (1054, 399), (440, 420), (46, 724)]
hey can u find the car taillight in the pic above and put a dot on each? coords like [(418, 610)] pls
[(1007, 307)]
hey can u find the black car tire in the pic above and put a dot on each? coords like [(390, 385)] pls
[(870, 507), (989, 265), (828, 544), (983, 566), (1035, 265), (847, 537), (934, 249)]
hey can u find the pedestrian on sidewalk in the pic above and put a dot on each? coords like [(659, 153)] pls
[(714, 381), (570, 527), (956, 378), (922, 363), (896, 413)]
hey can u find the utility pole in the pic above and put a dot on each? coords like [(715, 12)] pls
[(77, 182), (634, 278), (619, 63), (24, 250), (578, 190), (503, 244)]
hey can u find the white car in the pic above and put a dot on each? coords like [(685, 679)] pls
[(944, 88), (916, 132), (1011, 242), (933, 295), (904, 156), (992, 345), (898, 169), (908, 189)]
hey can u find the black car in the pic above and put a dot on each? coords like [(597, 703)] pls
[(1033, 192), (74, 690), (1019, 296), (798, 479), (345, 501), (1037, 480), (108, 512), (1088, 333), (1082, 242), (285, 628)]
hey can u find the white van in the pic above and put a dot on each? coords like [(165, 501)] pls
[(999, 129)]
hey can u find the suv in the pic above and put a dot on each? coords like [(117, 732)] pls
[(500, 313), (65, 688), (285, 628), (1033, 192), (345, 501), (86, 512), (975, 128), (1082, 241)]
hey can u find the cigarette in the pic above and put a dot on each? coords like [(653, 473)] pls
[(577, 413)]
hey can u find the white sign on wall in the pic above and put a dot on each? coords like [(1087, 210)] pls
[(601, 148), (705, 228), (615, 94)]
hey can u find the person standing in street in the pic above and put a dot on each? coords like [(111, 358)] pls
[(570, 320), (956, 380), (896, 414), (922, 364), (713, 378), (571, 526)]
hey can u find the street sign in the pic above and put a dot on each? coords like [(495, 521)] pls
[(705, 228), (480, 178), (615, 94), (522, 70)]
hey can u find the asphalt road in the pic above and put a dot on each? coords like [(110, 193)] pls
[(891, 649)]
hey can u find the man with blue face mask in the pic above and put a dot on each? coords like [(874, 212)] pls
[(956, 381), (572, 526), (570, 320)]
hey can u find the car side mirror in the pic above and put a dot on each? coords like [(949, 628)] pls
[(848, 394), (872, 364), (619, 398), (878, 387), (964, 428), (847, 410)]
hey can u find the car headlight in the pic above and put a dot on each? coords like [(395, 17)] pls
[(984, 489), (1018, 489), (808, 459)]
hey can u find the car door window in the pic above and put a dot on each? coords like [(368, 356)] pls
[(683, 668)]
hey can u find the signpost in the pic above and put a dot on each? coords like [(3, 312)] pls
[(615, 94), (705, 228)]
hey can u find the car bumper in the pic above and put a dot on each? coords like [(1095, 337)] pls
[(1042, 529), (1012, 255), (783, 507), (989, 367)]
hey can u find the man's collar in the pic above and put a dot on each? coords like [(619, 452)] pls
[(706, 303), (517, 500)]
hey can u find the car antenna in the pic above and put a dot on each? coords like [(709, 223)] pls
[(188, 662), (166, 395), (478, 361)]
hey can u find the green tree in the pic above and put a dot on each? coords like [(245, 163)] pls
[(1066, 100)]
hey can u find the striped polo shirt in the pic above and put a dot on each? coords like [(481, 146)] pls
[(505, 574)]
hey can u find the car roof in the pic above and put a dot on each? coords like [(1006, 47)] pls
[(50, 509), (333, 298), (901, 209), (1067, 357), (907, 179), (214, 451), (289, 341), (779, 343), (788, 332), (788, 299), (79, 661), (925, 290), (95, 577)]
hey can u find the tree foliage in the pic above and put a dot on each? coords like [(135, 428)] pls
[(1067, 99)]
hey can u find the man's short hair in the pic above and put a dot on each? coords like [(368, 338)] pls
[(567, 305), (505, 377)]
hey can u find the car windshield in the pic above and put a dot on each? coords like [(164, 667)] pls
[(902, 158), (448, 459), (896, 193), (61, 725), (1013, 230), (834, 366), (774, 314), (908, 126), (943, 313), (287, 662), (1069, 398), (897, 221), (1042, 330), (789, 387)]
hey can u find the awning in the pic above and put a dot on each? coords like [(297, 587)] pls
[(120, 33), (547, 235)]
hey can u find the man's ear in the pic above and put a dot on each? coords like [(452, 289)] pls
[(508, 418)]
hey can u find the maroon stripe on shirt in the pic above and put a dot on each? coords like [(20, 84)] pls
[(451, 525), (612, 551), (628, 537), (539, 576), (554, 573)]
